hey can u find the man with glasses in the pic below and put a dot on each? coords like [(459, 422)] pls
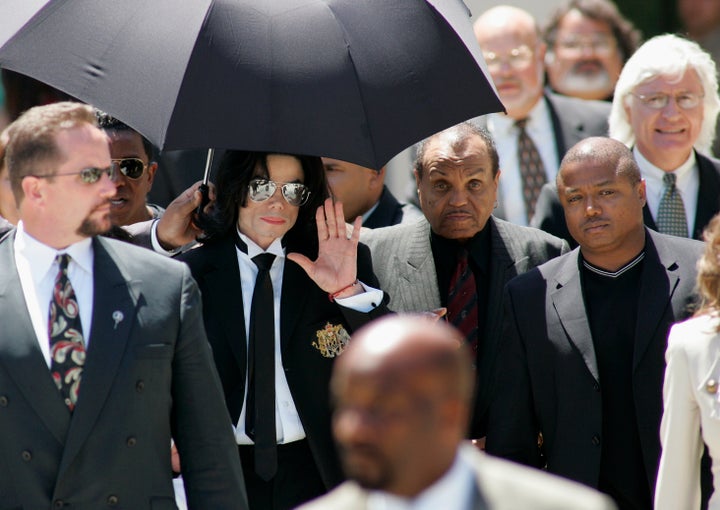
[(665, 107), (103, 356), (588, 43), (538, 127), (132, 157)]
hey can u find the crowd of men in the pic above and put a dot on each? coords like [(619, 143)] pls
[(521, 308)]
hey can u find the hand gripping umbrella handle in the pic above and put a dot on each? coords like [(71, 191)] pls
[(204, 188)]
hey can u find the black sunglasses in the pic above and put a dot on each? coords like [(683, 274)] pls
[(89, 175), (132, 168)]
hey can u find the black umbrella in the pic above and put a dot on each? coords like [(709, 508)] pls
[(358, 80)]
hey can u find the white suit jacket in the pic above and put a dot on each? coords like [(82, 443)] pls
[(692, 413)]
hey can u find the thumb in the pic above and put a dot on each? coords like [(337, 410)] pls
[(302, 261)]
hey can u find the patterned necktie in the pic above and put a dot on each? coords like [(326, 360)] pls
[(671, 217), (462, 301), (260, 409), (67, 348), (532, 170)]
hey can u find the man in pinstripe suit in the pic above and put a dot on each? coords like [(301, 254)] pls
[(456, 172)]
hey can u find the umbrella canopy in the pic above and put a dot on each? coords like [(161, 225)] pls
[(351, 79)]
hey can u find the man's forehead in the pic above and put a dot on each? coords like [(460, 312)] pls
[(455, 148)]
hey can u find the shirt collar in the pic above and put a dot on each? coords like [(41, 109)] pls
[(648, 170), (276, 248), (41, 256), (503, 125)]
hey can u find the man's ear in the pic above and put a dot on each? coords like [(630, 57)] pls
[(33, 188), (151, 169), (377, 179)]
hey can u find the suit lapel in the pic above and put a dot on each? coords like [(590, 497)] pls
[(115, 303), (659, 279), (417, 270), (569, 305), (20, 354)]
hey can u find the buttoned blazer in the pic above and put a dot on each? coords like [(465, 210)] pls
[(500, 485), (692, 413), (405, 267), (148, 376), (548, 377), (550, 217), (305, 310)]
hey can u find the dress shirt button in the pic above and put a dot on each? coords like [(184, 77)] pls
[(596, 440), (596, 386), (26, 455), (3, 401), (140, 386), (58, 503), (285, 404), (112, 500), (131, 441)]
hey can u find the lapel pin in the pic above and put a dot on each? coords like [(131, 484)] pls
[(117, 317), (711, 386)]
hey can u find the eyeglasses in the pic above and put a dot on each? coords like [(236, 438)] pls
[(658, 101), (89, 175), (518, 58), (132, 168), (600, 44), (295, 193)]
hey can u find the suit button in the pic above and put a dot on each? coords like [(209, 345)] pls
[(140, 386), (596, 440), (596, 386), (112, 500), (26, 455), (3, 401), (131, 441), (58, 503)]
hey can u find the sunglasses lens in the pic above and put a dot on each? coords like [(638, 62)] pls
[(92, 175), (131, 168), (295, 193), (261, 189)]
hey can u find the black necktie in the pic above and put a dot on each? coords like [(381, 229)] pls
[(532, 169), (260, 409), (67, 346)]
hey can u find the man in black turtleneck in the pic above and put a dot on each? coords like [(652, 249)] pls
[(582, 359)]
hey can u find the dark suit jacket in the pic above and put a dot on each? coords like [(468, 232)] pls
[(405, 267), (548, 377), (550, 217), (305, 310), (391, 212), (147, 378)]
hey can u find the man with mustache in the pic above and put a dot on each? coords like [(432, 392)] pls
[(588, 43), (539, 126), (582, 357), (103, 354), (458, 256)]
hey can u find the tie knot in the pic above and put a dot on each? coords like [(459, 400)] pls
[(63, 259), (669, 179), (521, 123), (264, 261)]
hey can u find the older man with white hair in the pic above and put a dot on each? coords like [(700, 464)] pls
[(665, 108)]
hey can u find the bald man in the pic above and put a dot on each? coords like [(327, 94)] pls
[(515, 54), (402, 393), (584, 337)]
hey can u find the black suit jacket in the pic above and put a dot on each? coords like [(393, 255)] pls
[(148, 377), (305, 310), (550, 217), (547, 370), (391, 212)]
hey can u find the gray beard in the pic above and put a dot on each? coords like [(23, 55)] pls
[(577, 82)]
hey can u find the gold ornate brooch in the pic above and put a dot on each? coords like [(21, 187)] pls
[(331, 340)]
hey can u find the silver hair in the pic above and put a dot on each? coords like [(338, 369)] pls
[(666, 55)]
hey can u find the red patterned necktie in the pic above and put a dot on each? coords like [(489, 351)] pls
[(532, 169), (462, 300), (67, 347)]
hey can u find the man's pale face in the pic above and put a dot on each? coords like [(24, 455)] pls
[(457, 189), (586, 60), (129, 203), (353, 185), (78, 209), (665, 137)]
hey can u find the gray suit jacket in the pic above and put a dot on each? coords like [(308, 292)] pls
[(404, 264), (500, 485), (148, 377)]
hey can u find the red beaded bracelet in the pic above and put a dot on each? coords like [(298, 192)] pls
[(334, 295)]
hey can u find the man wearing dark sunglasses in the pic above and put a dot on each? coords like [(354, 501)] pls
[(132, 159), (103, 354)]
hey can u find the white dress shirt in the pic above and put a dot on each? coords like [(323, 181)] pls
[(287, 421), (36, 266), (687, 181), (503, 130), (455, 490)]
